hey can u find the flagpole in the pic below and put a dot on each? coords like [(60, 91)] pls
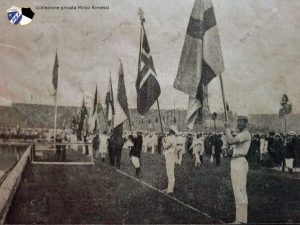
[(161, 126), (113, 106), (55, 99), (55, 116), (141, 14), (223, 97)]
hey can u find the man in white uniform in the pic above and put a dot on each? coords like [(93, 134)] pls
[(169, 146), (198, 149), (103, 145), (239, 166), (180, 148)]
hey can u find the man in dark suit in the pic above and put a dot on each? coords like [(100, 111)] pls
[(135, 152), (218, 143)]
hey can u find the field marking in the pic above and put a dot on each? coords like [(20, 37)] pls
[(161, 192), (62, 163)]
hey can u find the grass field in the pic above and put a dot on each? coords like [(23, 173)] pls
[(99, 194)]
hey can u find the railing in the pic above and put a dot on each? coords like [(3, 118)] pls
[(56, 153), (11, 182)]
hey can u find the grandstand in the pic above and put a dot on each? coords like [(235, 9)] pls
[(42, 116)]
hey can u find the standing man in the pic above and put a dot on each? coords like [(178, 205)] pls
[(218, 148), (104, 138), (290, 153), (169, 145), (180, 148), (198, 149), (239, 166), (96, 143), (135, 152)]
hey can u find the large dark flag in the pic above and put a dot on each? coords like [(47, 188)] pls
[(94, 119), (55, 74), (82, 120), (121, 94), (109, 102), (121, 105), (147, 86), (201, 59)]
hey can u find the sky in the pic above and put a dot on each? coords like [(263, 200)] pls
[(260, 41)]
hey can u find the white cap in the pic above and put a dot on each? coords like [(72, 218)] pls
[(242, 116)]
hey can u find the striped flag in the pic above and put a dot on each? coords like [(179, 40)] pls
[(94, 124), (147, 86), (121, 104), (109, 102), (55, 74), (201, 59)]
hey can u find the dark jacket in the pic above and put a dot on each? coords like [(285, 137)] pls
[(137, 146), (291, 149)]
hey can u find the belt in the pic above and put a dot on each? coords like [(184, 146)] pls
[(179, 144), (238, 156)]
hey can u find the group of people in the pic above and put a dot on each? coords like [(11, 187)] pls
[(8, 133), (237, 144), (275, 149)]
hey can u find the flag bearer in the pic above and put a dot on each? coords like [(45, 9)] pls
[(135, 152), (239, 166), (169, 145)]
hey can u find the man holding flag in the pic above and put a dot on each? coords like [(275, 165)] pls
[(201, 61), (120, 114)]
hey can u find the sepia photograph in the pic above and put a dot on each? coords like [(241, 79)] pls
[(149, 112)]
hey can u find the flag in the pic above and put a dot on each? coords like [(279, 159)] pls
[(55, 74), (201, 59), (122, 96), (122, 110), (109, 102), (82, 120), (147, 86), (94, 124)]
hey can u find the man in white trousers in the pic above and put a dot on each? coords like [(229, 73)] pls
[(198, 149), (169, 146), (239, 167)]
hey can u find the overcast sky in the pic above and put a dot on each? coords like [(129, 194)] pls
[(258, 70)]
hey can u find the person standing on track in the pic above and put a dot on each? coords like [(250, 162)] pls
[(198, 149), (135, 152), (239, 166), (169, 145), (104, 138)]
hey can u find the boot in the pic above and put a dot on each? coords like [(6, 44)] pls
[(137, 172)]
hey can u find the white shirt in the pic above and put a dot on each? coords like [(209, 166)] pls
[(169, 144), (198, 145), (243, 144), (103, 143)]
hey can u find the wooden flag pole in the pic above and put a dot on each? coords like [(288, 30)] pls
[(55, 108), (55, 115), (223, 98), (161, 125)]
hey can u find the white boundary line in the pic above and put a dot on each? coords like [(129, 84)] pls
[(62, 163), (161, 192)]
